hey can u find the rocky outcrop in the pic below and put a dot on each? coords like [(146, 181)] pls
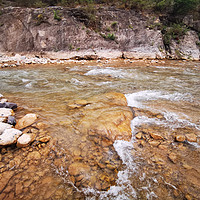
[(115, 33), (105, 117)]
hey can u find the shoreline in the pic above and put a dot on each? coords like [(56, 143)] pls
[(22, 59)]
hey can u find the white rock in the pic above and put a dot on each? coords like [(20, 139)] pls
[(3, 100), (5, 112), (9, 136), (4, 126), (24, 140)]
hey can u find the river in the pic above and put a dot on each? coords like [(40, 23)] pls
[(170, 89)]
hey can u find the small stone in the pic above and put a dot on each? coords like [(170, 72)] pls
[(25, 140), (26, 121), (139, 135), (172, 157), (186, 166), (156, 136), (191, 137), (41, 125), (11, 120), (180, 138), (154, 143), (9, 136), (45, 139), (188, 197)]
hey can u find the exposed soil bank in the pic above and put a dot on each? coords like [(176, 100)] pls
[(118, 34)]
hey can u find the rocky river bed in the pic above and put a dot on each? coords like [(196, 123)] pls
[(102, 146)]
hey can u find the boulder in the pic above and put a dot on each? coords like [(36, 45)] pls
[(9, 136), (112, 123), (26, 121), (3, 127), (24, 140)]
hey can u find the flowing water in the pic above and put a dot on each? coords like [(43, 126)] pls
[(171, 89)]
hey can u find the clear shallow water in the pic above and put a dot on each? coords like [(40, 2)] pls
[(171, 90)]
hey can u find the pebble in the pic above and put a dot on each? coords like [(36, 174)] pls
[(138, 135), (191, 137), (154, 143), (44, 139), (156, 136), (180, 138), (172, 156)]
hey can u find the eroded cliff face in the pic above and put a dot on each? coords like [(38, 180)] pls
[(119, 33)]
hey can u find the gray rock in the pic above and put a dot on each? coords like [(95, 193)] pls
[(11, 120), (9, 136), (8, 105)]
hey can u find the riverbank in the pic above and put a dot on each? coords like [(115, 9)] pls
[(34, 60)]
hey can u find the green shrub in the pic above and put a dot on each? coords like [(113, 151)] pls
[(111, 36), (175, 32), (56, 15)]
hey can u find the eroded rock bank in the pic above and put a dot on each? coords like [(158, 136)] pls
[(118, 34)]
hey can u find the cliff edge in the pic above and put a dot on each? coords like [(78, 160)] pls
[(111, 33)]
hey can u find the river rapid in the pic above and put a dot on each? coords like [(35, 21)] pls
[(165, 97)]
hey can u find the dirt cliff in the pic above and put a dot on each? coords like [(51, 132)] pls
[(66, 33)]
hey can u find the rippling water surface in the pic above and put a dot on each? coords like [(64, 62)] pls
[(170, 89)]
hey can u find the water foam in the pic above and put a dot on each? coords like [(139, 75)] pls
[(115, 73), (135, 99)]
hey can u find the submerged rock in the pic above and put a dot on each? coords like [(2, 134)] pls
[(9, 136), (25, 121), (45, 139), (78, 168)]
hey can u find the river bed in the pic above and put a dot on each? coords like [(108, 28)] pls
[(165, 98)]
